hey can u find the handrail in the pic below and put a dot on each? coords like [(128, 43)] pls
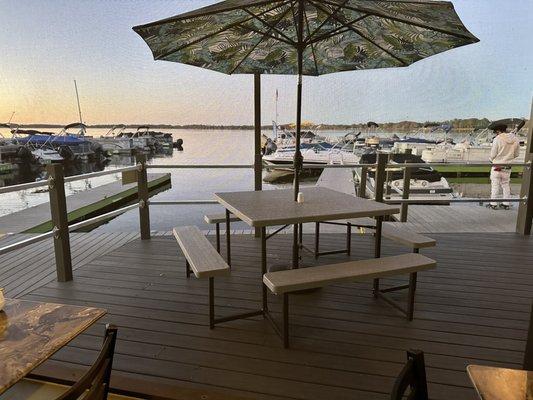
[(26, 242), (201, 166), (180, 202), (438, 201), (23, 186), (421, 165), (100, 173)]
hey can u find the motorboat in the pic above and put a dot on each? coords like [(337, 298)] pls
[(39, 144), (73, 144), (426, 183), (141, 139), (114, 142)]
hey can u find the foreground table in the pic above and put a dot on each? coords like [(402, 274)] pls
[(30, 332), (493, 383)]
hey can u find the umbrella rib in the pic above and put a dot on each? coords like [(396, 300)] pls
[(225, 28), (404, 21), (260, 40), (272, 27), (356, 31), (336, 31), (312, 47), (325, 21)]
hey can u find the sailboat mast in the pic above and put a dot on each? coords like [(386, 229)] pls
[(78, 99), (11, 118)]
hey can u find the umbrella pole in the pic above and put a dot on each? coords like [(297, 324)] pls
[(298, 159)]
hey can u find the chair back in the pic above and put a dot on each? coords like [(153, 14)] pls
[(528, 355), (94, 385), (412, 376)]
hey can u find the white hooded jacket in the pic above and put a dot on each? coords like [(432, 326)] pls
[(505, 148)]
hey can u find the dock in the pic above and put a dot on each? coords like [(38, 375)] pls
[(472, 309), (82, 205)]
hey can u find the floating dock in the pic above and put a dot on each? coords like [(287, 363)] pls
[(80, 206)]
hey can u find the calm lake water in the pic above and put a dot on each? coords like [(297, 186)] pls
[(200, 147)]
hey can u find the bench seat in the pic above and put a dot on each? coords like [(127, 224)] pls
[(295, 280), (407, 238), (219, 218), (201, 257)]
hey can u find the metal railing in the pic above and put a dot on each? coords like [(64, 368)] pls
[(61, 230)]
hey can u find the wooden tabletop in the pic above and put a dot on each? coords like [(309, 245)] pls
[(277, 207), (30, 332), (493, 383)]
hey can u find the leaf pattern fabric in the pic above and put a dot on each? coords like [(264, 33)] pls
[(258, 36)]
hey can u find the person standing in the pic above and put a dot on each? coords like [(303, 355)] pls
[(505, 148)]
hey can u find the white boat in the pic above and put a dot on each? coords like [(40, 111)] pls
[(115, 143), (426, 183), (47, 155)]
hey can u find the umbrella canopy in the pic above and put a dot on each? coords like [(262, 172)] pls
[(259, 36)]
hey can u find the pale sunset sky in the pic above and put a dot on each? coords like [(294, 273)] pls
[(46, 44)]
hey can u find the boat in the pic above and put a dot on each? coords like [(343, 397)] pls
[(475, 148), (141, 139), (39, 144), (113, 142), (426, 183), (75, 145)]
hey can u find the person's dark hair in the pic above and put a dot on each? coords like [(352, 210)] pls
[(500, 128)]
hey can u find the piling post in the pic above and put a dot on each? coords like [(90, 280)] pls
[(258, 158), (525, 208), (381, 165), (142, 189), (362, 182), (58, 211), (406, 188)]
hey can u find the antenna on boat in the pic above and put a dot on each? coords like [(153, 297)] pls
[(78, 99)]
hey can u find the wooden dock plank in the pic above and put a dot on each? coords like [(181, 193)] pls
[(473, 308)]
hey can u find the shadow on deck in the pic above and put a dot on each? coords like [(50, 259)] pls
[(473, 308)]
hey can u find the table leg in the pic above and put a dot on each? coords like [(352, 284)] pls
[(228, 240), (264, 267), (295, 247), (377, 250)]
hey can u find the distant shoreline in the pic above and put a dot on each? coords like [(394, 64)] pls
[(402, 126)]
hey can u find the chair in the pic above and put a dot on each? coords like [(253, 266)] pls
[(528, 355), (96, 380), (413, 375)]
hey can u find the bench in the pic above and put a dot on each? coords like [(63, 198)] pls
[(218, 219), (294, 280), (205, 262)]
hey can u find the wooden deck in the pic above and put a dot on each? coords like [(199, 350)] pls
[(473, 308)]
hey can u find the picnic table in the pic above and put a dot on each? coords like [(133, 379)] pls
[(31, 332)]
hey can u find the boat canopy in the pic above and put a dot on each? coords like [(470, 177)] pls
[(75, 125), (510, 122), (372, 124)]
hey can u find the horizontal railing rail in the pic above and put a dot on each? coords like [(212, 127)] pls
[(102, 217), (181, 202), (26, 242), (438, 201), (199, 166)]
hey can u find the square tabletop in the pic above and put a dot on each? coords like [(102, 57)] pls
[(277, 207), (30, 332), (494, 383)]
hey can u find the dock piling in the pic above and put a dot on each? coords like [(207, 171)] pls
[(144, 211)]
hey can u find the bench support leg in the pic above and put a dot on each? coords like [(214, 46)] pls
[(286, 320), (377, 250), (264, 268), (211, 303), (228, 240), (348, 250), (217, 228), (409, 312), (187, 269), (411, 296), (349, 238)]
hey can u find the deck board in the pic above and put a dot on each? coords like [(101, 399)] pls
[(473, 308)]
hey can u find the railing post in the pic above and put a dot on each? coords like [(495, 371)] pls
[(525, 209), (142, 189), (58, 211), (362, 182), (258, 159), (387, 178), (379, 179), (405, 193)]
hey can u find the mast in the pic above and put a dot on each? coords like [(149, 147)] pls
[(78, 99), (11, 118)]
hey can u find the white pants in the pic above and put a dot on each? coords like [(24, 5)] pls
[(500, 179)]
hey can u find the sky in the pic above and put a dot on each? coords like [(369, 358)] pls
[(45, 45)]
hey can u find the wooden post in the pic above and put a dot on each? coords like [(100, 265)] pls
[(362, 182), (142, 189), (379, 178), (405, 193), (258, 159), (525, 209), (387, 178), (58, 210)]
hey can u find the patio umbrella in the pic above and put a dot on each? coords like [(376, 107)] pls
[(306, 37)]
